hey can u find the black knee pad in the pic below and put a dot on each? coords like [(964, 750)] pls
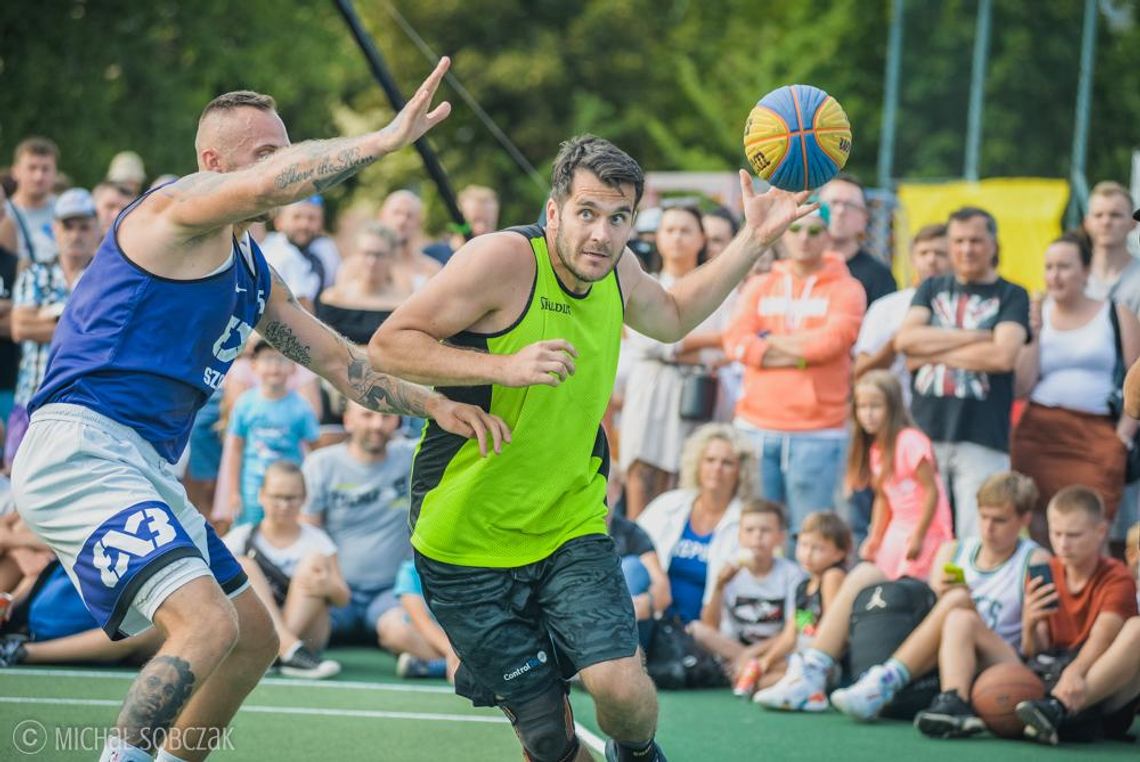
[(544, 725)]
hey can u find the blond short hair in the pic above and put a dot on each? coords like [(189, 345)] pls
[(1009, 487), (1078, 498), (695, 447), (1110, 188)]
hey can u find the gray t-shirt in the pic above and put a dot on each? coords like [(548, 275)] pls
[(36, 226), (756, 608), (364, 509), (1126, 289)]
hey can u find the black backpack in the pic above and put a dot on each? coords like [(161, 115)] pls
[(882, 617), (674, 661)]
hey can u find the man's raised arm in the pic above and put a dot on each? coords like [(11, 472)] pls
[(209, 200)]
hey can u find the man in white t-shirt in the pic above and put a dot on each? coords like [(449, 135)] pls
[(875, 346), (293, 568), (305, 259)]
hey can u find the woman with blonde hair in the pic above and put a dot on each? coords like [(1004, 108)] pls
[(694, 527)]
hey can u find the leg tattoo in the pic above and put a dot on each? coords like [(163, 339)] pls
[(156, 697)]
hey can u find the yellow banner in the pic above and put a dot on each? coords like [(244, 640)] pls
[(1028, 211)]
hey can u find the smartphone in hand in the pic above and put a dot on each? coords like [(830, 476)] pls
[(955, 573), (1045, 572)]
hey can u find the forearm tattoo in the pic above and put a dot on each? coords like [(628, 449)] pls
[(286, 342), (324, 163), (379, 391), (156, 697)]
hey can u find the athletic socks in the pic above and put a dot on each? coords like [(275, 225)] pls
[(817, 660), (867, 696), (165, 756), (116, 749), (626, 752), (898, 673)]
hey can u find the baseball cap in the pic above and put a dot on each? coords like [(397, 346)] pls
[(126, 166), (74, 202)]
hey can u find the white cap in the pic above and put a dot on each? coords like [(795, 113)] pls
[(74, 202)]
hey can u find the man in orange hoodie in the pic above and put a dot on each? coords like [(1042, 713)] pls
[(793, 332)]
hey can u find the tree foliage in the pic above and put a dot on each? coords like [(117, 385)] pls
[(669, 80)]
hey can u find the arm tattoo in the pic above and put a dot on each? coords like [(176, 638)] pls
[(156, 697), (379, 391), (326, 163), (286, 342)]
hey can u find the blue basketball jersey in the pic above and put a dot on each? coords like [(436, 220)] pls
[(148, 351)]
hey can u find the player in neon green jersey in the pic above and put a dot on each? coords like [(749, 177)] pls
[(512, 550)]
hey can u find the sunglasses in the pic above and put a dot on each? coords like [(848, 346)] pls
[(812, 230)]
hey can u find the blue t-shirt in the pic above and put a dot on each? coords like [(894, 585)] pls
[(688, 569), (272, 430)]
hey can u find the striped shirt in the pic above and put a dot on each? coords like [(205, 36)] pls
[(40, 285)]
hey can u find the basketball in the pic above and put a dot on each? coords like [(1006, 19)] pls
[(998, 691), (797, 137)]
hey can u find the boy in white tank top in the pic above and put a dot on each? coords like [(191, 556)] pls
[(986, 596)]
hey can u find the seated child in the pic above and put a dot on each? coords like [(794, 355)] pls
[(750, 610), (292, 566), (424, 650)]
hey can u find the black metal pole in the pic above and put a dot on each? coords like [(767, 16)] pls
[(388, 84)]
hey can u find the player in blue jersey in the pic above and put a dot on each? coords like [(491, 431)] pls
[(166, 305)]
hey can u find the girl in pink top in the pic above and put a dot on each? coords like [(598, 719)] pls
[(911, 517)]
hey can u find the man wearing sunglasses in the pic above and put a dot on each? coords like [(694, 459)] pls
[(847, 216), (793, 333)]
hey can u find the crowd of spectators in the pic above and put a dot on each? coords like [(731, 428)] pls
[(822, 432)]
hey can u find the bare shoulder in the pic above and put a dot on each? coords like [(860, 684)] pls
[(484, 288), (149, 235)]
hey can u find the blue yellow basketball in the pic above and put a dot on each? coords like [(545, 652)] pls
[(797, 137)]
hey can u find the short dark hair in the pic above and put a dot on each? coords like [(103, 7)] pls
[(829, 526), (285, 468), (239, 99), (1080, 239), (607, 162), (929, 233), (967, 213), (724, 214), (850, 177), (760, 506), (37, 145)]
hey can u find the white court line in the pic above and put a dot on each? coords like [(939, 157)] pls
[(592, 740), (256, 708), (108, 675)]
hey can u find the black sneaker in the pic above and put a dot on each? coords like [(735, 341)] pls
[(1042, 718), (301, 662), (12, 651), (653, 755), (948, 716)]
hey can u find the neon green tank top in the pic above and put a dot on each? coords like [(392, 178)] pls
[(549, 484)]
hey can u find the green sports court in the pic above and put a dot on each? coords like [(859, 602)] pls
[(57, 713)]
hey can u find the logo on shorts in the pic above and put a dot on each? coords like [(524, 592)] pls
[(144, 531), (532, 663)]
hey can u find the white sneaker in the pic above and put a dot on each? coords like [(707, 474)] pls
[(865, 698), (801, 689)]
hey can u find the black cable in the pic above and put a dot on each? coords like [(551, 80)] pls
[(388, 84)]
